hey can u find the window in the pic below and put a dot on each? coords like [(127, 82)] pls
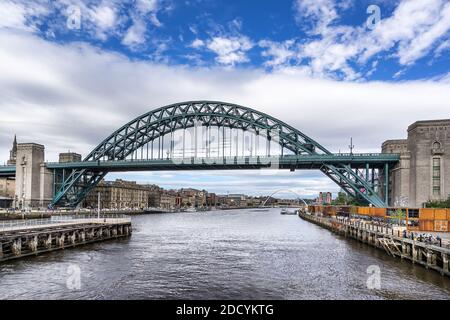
[(436, 145), (413, 213), (436, 176)]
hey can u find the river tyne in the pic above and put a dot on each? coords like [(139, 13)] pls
[(232, 254)]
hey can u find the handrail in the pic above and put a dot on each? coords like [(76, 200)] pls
[(13, 225)]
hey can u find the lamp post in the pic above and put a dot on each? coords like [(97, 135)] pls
[(98, 206), (351, 146)]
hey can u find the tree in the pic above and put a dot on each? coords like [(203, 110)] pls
[(341, 199), (399, 215), (438, 204), (345, 199)]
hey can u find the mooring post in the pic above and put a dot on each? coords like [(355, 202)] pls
[(17, 247), (429, 258), (61, 240), (73, 237), (48, 242), (32, 244), (445, 262), (414, 253)]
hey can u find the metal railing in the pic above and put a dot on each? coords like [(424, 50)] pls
[(55, 221)]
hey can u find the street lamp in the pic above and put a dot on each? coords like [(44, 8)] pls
[(98, 206)]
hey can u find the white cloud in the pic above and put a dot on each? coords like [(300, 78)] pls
[(420, 45), (281, 53), (321, 12), (412, 31), (331, 48), (147, 6), (444, 46), (99, 19), (18, 15), (197, 43), (135, 34), (13, 15), (73, 96), (415, 26), (105, 19), (230, 50)]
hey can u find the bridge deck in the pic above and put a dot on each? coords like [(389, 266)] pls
[(217, 163), (7, 171)]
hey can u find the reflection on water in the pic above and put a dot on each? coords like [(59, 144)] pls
[(241, 254)]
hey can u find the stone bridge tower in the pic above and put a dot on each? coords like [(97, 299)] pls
[(423, 173), (33, 179)]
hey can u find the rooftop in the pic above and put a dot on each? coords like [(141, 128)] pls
[(430, 123)]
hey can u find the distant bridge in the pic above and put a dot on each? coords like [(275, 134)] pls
[(210, 135)]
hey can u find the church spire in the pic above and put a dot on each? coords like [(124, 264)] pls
[(14, 149), (13, 153)]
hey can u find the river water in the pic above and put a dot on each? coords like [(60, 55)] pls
[(236, 254)]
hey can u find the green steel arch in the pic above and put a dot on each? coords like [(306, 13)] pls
[(159, 122), (164, 120)]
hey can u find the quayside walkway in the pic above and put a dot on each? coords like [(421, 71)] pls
[(20, 238), (393, 241)]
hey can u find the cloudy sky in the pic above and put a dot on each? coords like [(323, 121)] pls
[(73, 71)]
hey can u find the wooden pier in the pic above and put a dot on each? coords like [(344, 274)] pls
[(430, 256), (21, 239)]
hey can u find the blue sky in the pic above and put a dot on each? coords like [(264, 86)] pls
[(75, 70), (265, 34)]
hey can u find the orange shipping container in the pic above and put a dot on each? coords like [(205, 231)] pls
[(426, 214), (426, 225), (448, 214), (363, 211), (379, 212), (440, 225), (440, 214), (329, 210)]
